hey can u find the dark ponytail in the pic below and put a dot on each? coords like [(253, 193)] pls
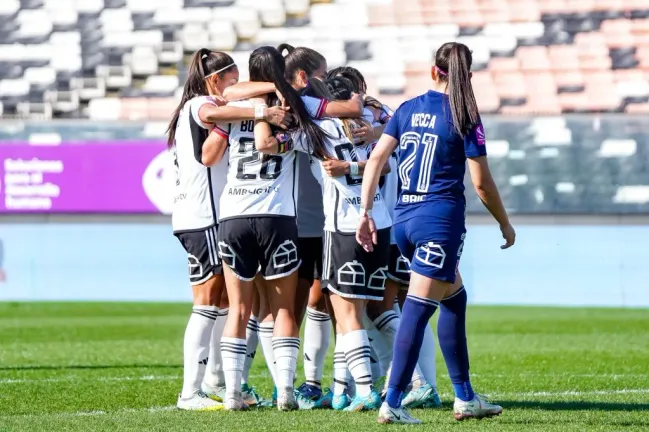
[(453, 62), (267, 65), (358, 82), (301, 58), (204, 62)]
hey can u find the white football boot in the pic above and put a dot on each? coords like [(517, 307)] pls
[(198, 402), (400, 415), (477, 408), (235, 402), (286, 400)]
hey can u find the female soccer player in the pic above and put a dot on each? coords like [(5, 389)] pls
[(258, 232), (350, 275), (436, 133), (383, 319), (199, 182), (301, 65)]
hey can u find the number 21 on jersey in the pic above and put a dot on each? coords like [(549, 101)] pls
[(415, 169)]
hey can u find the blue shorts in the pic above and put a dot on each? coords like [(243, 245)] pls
[(433, 246)]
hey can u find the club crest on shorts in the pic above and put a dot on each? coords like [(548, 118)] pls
[(285, 254), (227, 254), (194, 266), (378, 278), (431, 254), (351, 274), (403, 265)]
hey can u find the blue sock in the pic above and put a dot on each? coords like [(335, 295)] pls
[(417, 311), (451, 331)]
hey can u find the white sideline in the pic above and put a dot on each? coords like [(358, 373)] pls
[(446, 395)]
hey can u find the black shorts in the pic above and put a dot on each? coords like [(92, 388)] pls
[(351, 272), (310, 250), (202, 254), (266, 245), (399, 267)]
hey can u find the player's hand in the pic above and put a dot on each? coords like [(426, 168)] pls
[(509, 235), (363, 134), (278, 116), (219, 100), (335, 168), (366, 233)]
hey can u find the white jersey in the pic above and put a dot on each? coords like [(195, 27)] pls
[(342, 195), (197, 189), (257, 184)]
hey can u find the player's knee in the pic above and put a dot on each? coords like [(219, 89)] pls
[(207, 293)]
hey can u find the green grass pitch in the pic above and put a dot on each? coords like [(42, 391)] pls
[(94, 367)]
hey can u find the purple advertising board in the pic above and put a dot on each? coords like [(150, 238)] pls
[(86, 177)]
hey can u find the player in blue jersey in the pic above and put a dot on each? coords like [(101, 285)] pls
[(436, 133)]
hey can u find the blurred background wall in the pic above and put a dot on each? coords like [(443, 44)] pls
[(87, 86)]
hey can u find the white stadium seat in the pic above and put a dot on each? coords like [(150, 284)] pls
[(14, 87), (9, 7), (143, 61), (104, 109), (42, 77), (161, 84), (296, 7), (223, 37)]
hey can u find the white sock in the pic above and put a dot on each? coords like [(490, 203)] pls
[(341, 380), (381, 353), (196, 347), (427, 357), (377, 349), (252, 340), (285, 350), (214, 370), (395, 306), (357, 355), (387, 324), (317, 336), (233, 352), (266, 340)]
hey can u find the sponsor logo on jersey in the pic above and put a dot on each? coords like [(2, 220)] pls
[(252, 191), (357, 200)]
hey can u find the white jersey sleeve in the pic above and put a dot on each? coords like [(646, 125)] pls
[(315, 106), (195, 106), (197, 188)]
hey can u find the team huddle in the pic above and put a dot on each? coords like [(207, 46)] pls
[(301, 199)]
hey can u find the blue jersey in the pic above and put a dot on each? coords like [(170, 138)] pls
[(432, 157)]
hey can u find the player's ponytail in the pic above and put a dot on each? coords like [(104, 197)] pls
[(204, 63), (267, 65), (453, 63)]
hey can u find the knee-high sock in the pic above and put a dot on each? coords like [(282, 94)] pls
[(196, 347), (252, 340), (427, 362), (417, 311), (266, 341), (451, 329), (317, 336), (357, 355), (214, 376)]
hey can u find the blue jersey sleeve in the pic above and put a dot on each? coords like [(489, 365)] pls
[(475, 143), (392, 127)]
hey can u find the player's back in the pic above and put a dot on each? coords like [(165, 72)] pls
[(432, 157), (341, 195), (257, 184)]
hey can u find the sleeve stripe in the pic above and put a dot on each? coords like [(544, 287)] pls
[(321, 108), (221, 132)]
